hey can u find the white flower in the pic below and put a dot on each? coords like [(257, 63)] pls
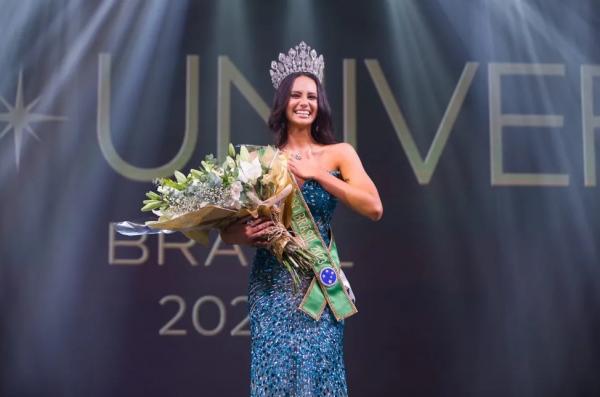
[(250, 170), (236, 189), (229, 163)]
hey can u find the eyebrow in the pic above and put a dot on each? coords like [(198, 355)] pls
[(300, 92)]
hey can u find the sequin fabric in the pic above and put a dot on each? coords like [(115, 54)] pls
[(292, 354)]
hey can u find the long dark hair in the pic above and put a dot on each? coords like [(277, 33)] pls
[(321, 129)]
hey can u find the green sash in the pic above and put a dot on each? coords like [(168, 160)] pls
[(326, 287)]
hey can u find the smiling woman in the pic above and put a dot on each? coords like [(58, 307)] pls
[(298, 93), (297, 333), (302, 106)]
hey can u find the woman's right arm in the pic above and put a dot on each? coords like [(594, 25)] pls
[(244, 232)]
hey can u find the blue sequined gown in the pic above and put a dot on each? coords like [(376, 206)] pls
[(292, 354)]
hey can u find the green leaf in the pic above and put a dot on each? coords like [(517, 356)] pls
[(170, 183), (196, 173), (153, 195), (180, 177), (152, 205)]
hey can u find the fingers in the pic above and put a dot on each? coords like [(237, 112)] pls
[(259, 230), (256, 231), (293, 163), (258, 221), (294, 169), (247, 230), (260, 239)]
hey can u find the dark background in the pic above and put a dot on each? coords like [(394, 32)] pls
[(464, 288)]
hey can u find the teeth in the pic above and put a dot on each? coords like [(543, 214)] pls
[(302, 112)]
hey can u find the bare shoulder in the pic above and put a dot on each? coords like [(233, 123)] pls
[(344, 154), (347, 161), (342, 147)]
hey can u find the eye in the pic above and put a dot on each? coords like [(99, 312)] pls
[(312, 97), (295, 95)]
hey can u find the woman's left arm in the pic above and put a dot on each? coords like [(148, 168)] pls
[(357, 190)]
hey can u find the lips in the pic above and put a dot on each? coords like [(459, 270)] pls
[(302, 113)]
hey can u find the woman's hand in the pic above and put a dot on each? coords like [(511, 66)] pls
[(247, 232), (305, 168)]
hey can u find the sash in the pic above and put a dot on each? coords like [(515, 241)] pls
[(327, 287)]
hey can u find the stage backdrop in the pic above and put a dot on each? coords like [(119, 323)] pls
[(477, 121)]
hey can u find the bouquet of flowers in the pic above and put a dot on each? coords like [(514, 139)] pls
[(250, 183)]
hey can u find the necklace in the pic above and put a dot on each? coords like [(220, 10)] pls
[(298, 154)]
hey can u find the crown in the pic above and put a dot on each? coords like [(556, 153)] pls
[(299, 59)]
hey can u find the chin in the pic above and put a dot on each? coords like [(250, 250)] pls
[(303, 122)]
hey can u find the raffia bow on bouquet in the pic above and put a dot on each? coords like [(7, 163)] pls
[(252, 183)]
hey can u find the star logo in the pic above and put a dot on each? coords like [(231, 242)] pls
[(328, 276), (19, 118)]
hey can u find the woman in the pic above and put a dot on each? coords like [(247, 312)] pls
[(292, 353)]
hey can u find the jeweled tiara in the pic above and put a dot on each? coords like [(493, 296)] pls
[(299, 59)]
